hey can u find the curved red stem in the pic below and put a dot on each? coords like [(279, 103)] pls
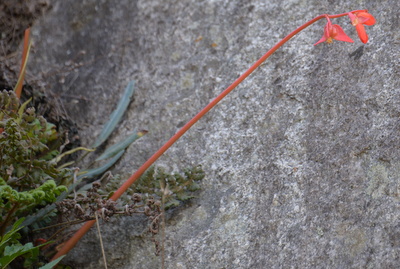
[(82, 231), (18, 89)]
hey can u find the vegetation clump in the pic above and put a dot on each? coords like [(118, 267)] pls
[(34, 188), (29, 179)]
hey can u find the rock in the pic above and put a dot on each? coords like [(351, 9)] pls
[(302, 160)]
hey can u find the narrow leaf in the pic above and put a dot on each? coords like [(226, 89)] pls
[(51, 264), (100, 170), (9, 235), (66, 165), (48, 208), (116, 115), (114, 149), (22, 109), (59, 157)]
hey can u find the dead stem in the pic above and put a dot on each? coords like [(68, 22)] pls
[(101, 241), (165, 191)]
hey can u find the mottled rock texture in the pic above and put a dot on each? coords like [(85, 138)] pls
[(302, 160)]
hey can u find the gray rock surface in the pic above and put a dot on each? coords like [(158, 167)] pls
[(302, 160)]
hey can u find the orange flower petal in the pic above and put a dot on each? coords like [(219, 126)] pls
[(338, 34), (366, 18), (334, 32), (361, 33)]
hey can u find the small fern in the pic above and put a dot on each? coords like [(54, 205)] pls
[(181, 186)]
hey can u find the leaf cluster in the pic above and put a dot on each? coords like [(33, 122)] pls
[(29, 179), (173, 189), (24, 154), (11, 249)]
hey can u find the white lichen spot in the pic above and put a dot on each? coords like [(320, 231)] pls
[(378, 181), (175, 56)]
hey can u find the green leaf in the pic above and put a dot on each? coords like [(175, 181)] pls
[(43, 212), (100, 170), (51, 132), (114, 149), (172, 203), (52, 263), (59, 157), (11, 234), (22, 109), (14, 251), (183, 196), (193, 186), (116, 115)]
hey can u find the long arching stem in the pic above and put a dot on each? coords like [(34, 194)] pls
[(82, 231)]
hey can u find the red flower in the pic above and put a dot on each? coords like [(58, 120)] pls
[(333, 31), (358, 20), (40, 241)]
